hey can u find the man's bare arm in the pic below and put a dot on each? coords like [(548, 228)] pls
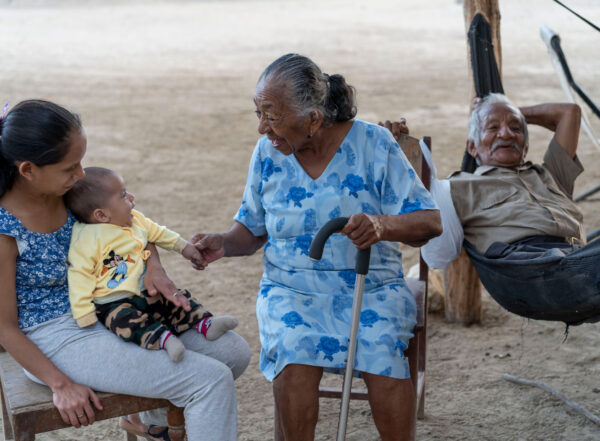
[(564, 119)]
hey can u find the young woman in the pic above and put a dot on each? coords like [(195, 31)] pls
[(41, 149)]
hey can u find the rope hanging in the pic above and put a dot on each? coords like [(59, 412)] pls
[(577, 15)]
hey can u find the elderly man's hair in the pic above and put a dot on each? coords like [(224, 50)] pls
[(476, 123), (89, 193), (311, 89)]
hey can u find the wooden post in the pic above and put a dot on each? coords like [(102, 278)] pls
[(463, 289), (462, 300), (491, 11)]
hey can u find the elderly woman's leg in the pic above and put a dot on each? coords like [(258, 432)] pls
[(296, 392), (393, 406)]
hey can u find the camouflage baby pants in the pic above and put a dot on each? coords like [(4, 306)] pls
[(142, 319)]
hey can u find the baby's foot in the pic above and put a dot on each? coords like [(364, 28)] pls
[(214, 327), (174, 348)]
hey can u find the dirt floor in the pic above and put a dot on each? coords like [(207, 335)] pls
[(165, 92)]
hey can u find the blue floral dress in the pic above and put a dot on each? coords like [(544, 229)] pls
[(41, 279), (304, 307)]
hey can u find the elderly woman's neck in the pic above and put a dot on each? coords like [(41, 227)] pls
[(328, 139), (325, 143)]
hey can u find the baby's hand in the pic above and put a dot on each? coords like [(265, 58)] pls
[(190, 252)]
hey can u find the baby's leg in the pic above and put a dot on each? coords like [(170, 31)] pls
[(127, 319), (197, 318), (214, 327)]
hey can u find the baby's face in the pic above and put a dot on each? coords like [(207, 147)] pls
[(119, 203)]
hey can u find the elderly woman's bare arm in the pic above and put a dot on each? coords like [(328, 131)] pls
[(413, 229)]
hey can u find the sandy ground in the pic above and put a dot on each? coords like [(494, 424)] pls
[(165, 91)]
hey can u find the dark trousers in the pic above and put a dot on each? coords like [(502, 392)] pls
[(142, 319)]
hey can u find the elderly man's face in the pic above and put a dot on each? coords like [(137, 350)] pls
[(502, 141)]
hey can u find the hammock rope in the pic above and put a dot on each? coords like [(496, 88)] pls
[(577, 15)]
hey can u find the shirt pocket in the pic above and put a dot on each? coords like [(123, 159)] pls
[(497, 197)]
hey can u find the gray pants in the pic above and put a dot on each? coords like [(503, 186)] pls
[(202, 382)]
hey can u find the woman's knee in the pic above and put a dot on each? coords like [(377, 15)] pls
[(241, 355), (230, 349), (296, 378), (215, 381)]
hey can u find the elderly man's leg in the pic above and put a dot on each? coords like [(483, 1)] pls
[(393, 405), (296, 392)]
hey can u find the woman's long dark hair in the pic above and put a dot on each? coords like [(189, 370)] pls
[(37, 131)]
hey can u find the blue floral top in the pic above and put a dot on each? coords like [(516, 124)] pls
[(41, 279), (304, 307)]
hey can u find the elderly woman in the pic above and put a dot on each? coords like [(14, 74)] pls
[(314, 163)]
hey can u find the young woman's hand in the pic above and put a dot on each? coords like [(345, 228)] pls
[(157, 282), (74, 402)]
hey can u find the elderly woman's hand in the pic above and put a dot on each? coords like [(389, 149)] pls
[(364, 230), (210, 246), (397, 128)]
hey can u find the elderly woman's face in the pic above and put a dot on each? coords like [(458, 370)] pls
[(287, 131)]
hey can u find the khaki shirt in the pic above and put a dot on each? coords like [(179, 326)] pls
[(497, 204)]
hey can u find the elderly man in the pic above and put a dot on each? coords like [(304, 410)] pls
[(508, 205), (522, 230)]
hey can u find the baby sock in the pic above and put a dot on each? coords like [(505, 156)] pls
[(172, 345), (214, 327)]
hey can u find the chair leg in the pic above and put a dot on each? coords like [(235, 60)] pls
[(8, 433), (25, 435), (421, 403), (176, 421)]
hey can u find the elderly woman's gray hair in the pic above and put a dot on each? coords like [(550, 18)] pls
[(312, 89), (476, 123)]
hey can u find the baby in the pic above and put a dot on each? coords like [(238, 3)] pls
[(107, 262)]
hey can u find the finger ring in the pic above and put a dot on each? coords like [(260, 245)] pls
[(80, 416), (175, 293)]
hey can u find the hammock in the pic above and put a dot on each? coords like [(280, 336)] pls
[(549, 287)]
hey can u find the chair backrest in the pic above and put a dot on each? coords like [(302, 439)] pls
[(412, 150)]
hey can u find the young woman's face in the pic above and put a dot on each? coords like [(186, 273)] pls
[(57, 179)]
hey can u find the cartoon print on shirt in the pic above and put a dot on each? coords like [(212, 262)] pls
[(120, 268)]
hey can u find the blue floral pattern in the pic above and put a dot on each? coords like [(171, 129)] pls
[(304, 307), (41, 277)]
